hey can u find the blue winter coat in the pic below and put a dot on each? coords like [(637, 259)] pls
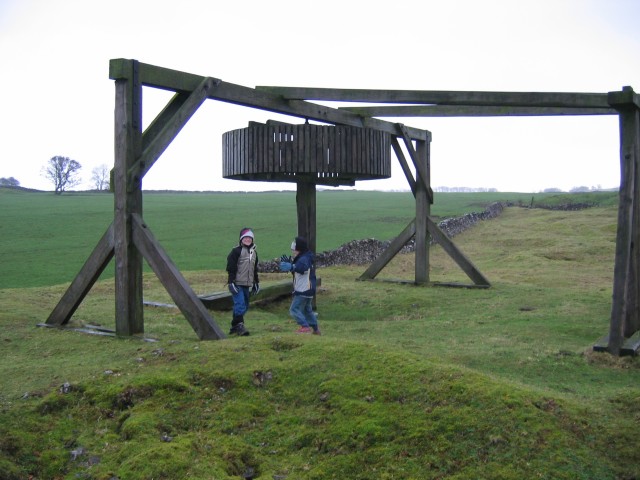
[(304, 274)]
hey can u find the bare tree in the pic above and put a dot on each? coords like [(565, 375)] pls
[(63, 172), (100, 177)]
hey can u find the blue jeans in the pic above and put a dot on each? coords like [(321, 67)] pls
[(302, 312), (241, 301)]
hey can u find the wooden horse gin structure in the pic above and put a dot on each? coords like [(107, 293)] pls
[(248, 155)]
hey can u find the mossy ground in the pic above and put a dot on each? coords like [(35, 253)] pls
[(406, 382)]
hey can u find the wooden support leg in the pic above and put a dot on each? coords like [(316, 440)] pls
[(128, 146), (392, 250), (423, 209), (173, 281), (86, 278), (423, 223), (624, 302), (306, 206), (463, 262)]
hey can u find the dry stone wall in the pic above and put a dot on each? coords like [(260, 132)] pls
[(363, 252)]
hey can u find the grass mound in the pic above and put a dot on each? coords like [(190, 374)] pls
[(296, 407), (406, 382)]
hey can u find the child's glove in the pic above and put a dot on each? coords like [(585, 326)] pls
[(286, 258), (286, 266), (233, 289), (255, 289)]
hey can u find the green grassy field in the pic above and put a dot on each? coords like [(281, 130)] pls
[(406, 382), (46, 238)]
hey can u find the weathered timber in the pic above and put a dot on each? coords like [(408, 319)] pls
[(82, 283), (421, 166), (439, 236), (127, 201), (424, 199), (167, 79), (629, 347), (624, 308), (473, 111), (136, 152), (93, 330), (392, 250), (306, 207), (173, 281), (403, 164), (305, 153), (165, 130), (438, 97), (268, 293), (433, 284), (458, 285), (463, 262), (625, 99)]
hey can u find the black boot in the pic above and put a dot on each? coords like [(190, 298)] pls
[(237, 326)]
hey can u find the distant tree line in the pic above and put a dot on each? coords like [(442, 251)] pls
[(9, 182), (464, 189), (581, 189)]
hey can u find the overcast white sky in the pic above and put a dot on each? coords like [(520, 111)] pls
[(57, 98)]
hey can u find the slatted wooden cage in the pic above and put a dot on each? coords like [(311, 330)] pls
[(320, 154)]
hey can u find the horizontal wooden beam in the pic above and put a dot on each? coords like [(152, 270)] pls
[(174, 80), (625, 98), (472, 111), (268, 293), (437, 97)]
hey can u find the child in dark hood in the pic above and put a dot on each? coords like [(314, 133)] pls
[(304, 285), (242, 269)]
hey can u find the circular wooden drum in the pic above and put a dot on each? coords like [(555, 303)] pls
[(320, 154)]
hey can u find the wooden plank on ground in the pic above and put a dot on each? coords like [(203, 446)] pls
[(95, 330), (268, 293), (630, 346)]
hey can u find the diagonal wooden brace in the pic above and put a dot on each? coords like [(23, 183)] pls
[(422, 173), (463, 262), (392, 250), (173, 281), (166, 126), (404, 164), (86, 278)]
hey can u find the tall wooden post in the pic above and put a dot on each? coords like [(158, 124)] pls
[(423, 210), (306, 207), (128, 200), (624, 309)]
